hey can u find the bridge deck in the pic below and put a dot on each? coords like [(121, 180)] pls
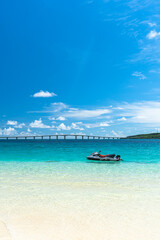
[(61, 136)]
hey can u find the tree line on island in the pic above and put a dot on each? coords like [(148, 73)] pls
[(145, 136)]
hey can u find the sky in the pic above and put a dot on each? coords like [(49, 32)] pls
[(79, 67)]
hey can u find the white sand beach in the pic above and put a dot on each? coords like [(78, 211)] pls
[(46, 207)]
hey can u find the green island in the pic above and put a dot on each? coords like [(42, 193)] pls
[(145, 136)]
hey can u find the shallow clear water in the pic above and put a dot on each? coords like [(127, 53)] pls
[(55, 180)]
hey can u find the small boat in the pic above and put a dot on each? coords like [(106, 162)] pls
[(109, 157)]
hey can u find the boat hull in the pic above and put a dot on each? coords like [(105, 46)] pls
[(104, 159)]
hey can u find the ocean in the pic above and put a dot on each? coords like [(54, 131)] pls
[(49, 190)]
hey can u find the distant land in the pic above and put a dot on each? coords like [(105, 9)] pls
[(146, 136)]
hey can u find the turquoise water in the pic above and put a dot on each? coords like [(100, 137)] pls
[(52, 179), (141, 158), (135, 151), (65, 160)]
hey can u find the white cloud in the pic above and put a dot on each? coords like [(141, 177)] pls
[(38, 124), (152, 24), (153, 34), (75, 126), (44, 94), (84, 114), (142, 112), (139, 75), (54, 107), (12, 123), (8, 131), (52, 118), (61, 118), (96, 125), (74, 109), (62, 126), (122, 119), (148, 53), (119, 108), (80, 126), (21, 125), (103, 124), (67, 112), (58, 106), (15, 124)]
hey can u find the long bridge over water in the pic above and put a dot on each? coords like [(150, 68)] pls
[(56, 136)]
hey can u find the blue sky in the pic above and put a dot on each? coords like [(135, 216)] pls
[(89, 67)]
